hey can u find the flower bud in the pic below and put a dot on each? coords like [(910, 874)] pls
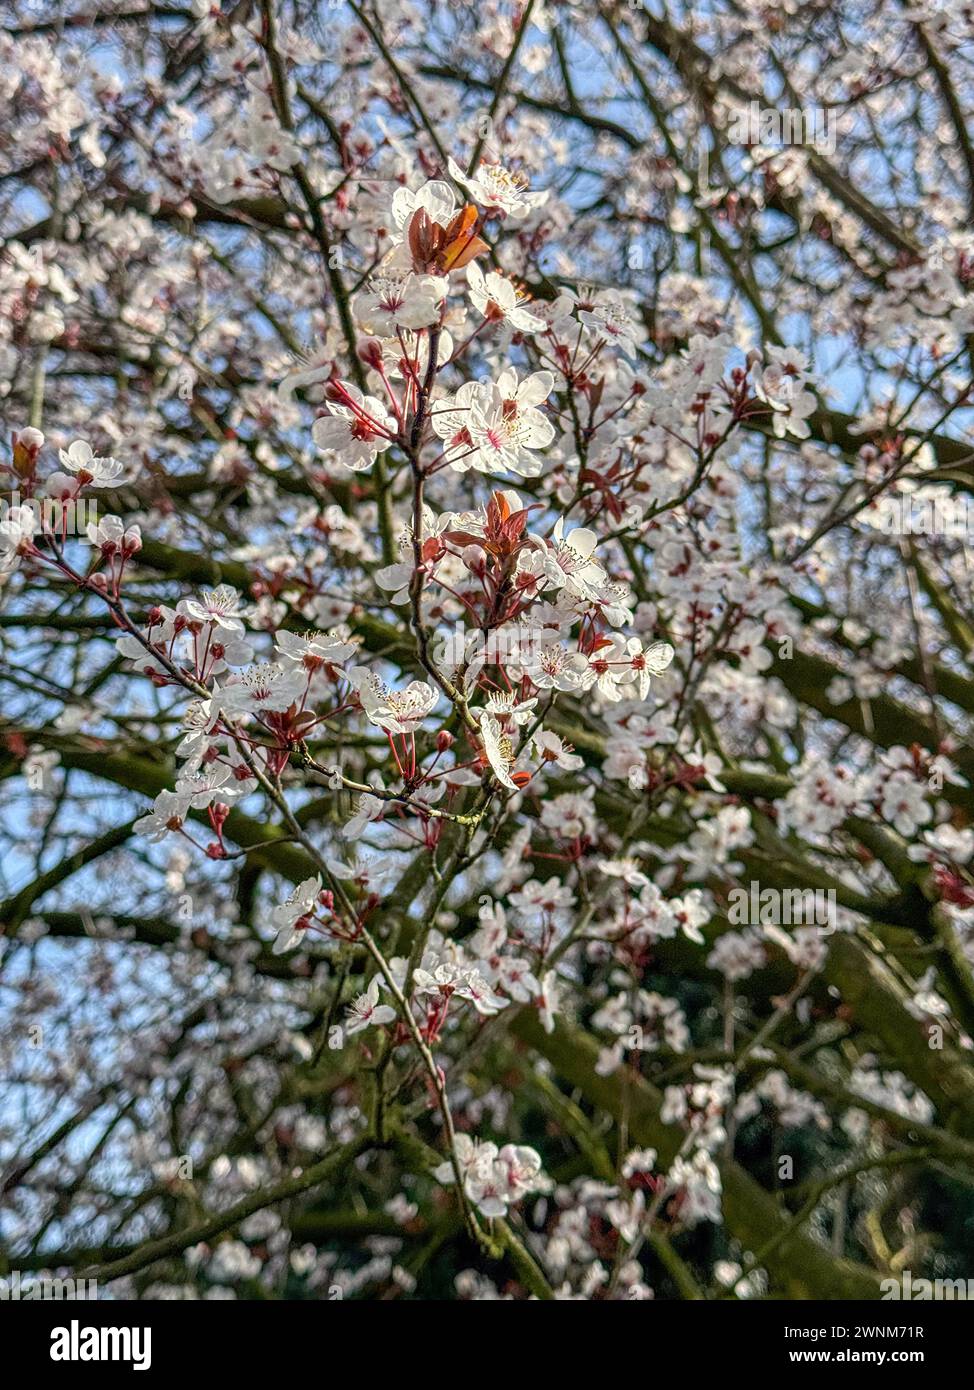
[(27, 445), (474, 559), (371, 353)]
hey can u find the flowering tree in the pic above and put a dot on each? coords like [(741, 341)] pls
[(487, 647)]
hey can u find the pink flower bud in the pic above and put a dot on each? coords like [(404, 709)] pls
[(27, 445)]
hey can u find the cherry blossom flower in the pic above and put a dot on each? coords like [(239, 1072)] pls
[(216, 783), (368, 808), (112, 537), (508, 709), (370, 875), (391, 302), (781, 385), (298, 906), (494, 1179), (537, 900), (367, 1012), (17, 530), (398, 712), (79, 458), (499, 751), (609, 318), (168, 812), (495, 187), (737, 954), (571, 814), (551, 748), (436, 198), (697, 1180), (626, 869), (568, 561), (691, 913), (904, 804), (220, 607), (356, 429), (554, 667), (499, 301), (267, 688), (497, 428), (515, 977), (461, 982), (314, 649)]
